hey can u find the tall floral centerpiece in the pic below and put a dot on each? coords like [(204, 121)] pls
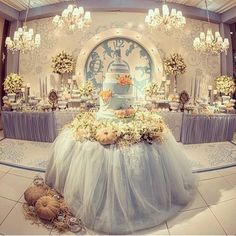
[(63, 64), (12, 85), (87, 90), (151, 90), (225, 86), (174, 65)]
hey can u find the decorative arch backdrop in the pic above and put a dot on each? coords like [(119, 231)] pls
[(137, 51), (38, 64)]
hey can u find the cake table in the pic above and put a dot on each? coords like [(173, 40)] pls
[(120, 170), (120, 190)]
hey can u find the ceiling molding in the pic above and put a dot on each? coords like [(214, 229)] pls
[(8, 13), (194, 12), (229, 16), (218, 6), (120, 6)]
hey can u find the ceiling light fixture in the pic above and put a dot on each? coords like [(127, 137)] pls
[(209, 43), (168, 19), (23, 40), (73, 18)]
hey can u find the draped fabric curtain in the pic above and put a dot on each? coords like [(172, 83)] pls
[(233, 39), (4, 28), (2, 21)]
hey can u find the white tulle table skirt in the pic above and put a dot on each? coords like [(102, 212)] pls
[(120, 190)]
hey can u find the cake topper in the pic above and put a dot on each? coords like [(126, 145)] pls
[(117, 53)]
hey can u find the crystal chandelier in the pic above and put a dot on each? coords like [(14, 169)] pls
[(23, 40), (209, 43), (73, 18), (168, 19)]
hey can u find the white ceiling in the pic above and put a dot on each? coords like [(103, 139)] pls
[(214, 5), (218, 6), (22, 4)]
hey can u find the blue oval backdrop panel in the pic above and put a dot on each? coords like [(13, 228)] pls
[(136, 56)]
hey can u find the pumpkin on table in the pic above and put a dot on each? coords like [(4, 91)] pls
[(106, 136), (47, 208)]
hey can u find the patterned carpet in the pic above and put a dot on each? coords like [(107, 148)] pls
[(210, 156), (25, 154), (35, 155)]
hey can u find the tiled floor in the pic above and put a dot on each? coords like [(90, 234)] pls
[(212, 210)]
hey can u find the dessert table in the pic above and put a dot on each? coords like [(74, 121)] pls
[(62, 118), (187, 128), (208, 128), (33, 126), (174, 122)]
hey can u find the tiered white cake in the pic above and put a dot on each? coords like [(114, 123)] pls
[(75, 95), (117, 93)]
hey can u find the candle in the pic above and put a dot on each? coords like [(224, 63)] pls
[(163, 78), (40, 87), (167, 82), (46, 86), (215, 92), (28, 85), (26, 94), (192, 87), (43, 89), (199, 88), (210, 87)]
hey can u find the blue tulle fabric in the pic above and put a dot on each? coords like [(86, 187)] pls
[(121, 190)]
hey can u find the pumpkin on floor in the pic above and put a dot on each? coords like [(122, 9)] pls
[(32, 194), (47, 208)]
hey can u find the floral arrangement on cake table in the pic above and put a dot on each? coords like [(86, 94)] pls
[(87, 89), (151, 89), (13, 83), (105, 95), (63, 63), (145, 126), (175, 65), (125, 113), (225, 85), (124, 80)]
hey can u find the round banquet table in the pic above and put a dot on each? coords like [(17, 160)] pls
[(120, 190)]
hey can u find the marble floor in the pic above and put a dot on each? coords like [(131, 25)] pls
[(211, 212)]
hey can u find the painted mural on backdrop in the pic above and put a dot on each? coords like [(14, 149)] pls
[(137, 58)]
